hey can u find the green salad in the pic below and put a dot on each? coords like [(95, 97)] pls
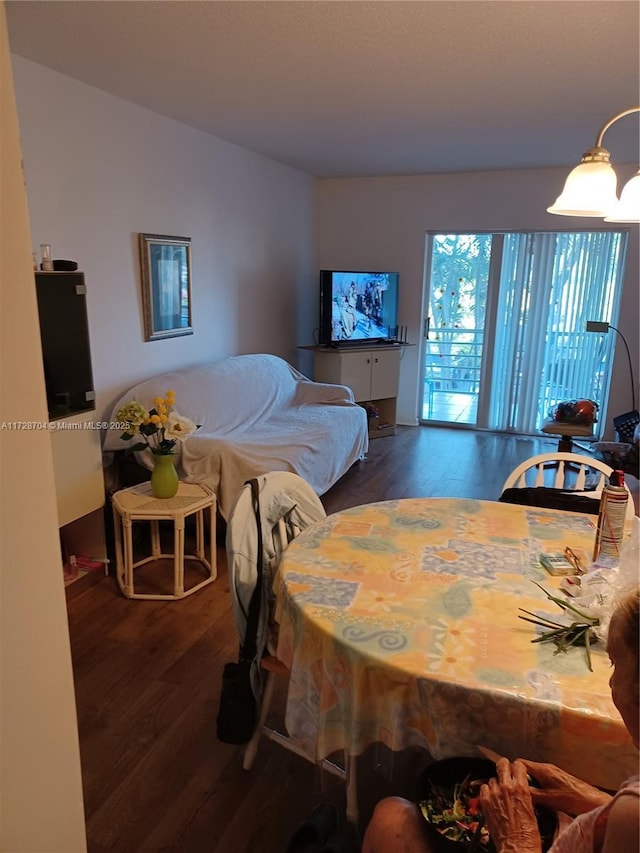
[(454, 812)]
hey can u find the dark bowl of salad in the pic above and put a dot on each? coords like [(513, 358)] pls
[(447, 795)]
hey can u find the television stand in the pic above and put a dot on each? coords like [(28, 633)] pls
[(371, 371)]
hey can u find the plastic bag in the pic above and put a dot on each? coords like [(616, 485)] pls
[(628, 574), (607, 582), (575, 412)]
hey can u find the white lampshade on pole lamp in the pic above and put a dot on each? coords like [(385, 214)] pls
[(590, 188)]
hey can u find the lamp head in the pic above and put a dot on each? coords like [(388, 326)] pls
[(628, 208), (590, 188), (596, 326)]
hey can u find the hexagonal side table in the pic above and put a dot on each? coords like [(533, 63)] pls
[(138, 504)]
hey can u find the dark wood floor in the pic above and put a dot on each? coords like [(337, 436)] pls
[(147, 676)]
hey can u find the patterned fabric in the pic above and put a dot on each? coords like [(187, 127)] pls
[(399, 621), (586, 833)]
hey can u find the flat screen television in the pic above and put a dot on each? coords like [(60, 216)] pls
[(357, 307)]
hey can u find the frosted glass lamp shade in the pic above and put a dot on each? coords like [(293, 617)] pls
[(590, 190), (628, 208)]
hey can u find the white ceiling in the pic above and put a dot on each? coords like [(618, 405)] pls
[(341, 88)]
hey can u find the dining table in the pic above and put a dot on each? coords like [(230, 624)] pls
[(399, 623)]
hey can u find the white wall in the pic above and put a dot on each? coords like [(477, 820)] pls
[(100, 170), (41, 807), (381, 223)]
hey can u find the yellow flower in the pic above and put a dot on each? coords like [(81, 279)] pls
[(161, 430)]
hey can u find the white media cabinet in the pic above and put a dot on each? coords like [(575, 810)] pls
[(372, 372)]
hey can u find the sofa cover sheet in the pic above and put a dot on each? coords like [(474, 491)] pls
[(257, 414)]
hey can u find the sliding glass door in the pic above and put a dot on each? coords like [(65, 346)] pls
[(505, 336), (454, 345)]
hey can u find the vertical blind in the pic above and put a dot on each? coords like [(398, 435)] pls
[(550, 284)]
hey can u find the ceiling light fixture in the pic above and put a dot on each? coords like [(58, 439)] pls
[(590, 188)]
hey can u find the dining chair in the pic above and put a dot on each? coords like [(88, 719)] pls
[(571, 472), (287, 505)]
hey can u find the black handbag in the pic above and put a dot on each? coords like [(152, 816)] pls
[(237, 713), (238, 708)]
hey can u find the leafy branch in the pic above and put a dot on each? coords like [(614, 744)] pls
[(578, 633)]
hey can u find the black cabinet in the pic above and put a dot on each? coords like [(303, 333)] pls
[(66, 353)]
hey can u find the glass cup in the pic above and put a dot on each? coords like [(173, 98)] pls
[(45, 255)]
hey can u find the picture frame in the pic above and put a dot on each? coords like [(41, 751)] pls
[(165, 268)]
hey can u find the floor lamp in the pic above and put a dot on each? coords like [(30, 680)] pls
[(627, 422)]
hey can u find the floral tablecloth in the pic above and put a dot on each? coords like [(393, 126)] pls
[(399, 621)]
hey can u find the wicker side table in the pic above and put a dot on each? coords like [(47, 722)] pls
[(138, 504)]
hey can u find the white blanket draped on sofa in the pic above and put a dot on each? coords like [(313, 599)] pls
[(257, 414)]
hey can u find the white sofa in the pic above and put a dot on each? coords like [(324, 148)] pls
[(256, 414)]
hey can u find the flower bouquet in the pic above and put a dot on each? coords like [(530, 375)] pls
[(158, 430)]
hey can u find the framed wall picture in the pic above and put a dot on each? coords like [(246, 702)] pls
[(165, 265)]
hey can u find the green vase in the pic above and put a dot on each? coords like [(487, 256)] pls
[(164, 479)]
